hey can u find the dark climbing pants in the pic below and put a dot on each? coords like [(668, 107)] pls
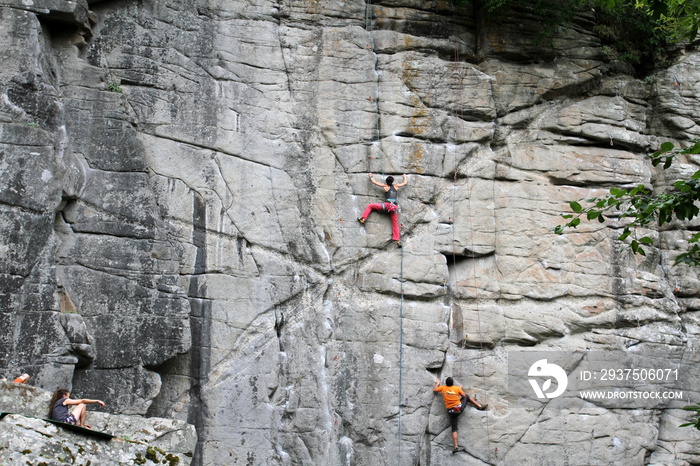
[(453, 414)]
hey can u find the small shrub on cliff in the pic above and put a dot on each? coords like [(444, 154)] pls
[(114, 87)]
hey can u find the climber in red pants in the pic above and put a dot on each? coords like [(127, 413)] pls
[(390, 205)]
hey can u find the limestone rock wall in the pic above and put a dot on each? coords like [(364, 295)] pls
[(180, 183)]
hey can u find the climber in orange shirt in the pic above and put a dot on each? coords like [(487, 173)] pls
[(455, 401)]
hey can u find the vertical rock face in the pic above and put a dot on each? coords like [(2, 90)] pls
[(180, 182)]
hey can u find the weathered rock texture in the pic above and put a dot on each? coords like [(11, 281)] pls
[(180, 182), (26, 438)]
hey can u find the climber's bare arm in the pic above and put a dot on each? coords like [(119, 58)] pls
[(381, 185), (403, 183)]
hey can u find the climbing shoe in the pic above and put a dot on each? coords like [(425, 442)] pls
[(361, 220), (398, 244), (483, 407)]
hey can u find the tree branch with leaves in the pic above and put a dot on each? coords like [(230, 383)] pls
[(643, 207)]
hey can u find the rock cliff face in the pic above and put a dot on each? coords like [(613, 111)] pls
[(180, 183)]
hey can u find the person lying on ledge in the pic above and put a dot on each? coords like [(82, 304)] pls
[(59, 411)]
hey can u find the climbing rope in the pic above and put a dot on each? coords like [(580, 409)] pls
[(460, 86), (375, 102), (355, 274), (369, 25), (400, 357)]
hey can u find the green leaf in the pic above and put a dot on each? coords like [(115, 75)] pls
[(646, 240), (636, 248), (681, 186), (667, 146), (575, 222), (636, 190), (567, 216), (617, 192), (694, 149), (591, 214), (576, 207)]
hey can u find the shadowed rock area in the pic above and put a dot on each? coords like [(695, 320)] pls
[(180, 183)]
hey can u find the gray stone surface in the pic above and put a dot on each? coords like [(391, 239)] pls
[(179, 187), (26, 438)]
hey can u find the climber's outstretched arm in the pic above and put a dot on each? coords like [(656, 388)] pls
[(403, 183), (380, 184)]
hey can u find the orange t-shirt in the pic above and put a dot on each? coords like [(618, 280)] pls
[(451, 395), (18, 380)]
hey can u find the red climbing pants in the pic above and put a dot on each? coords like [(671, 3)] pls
[(395, 232)]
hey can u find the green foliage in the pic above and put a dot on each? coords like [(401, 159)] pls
[(679, 19), (672, 20), (114, 87), (554, 10), (632, 37), (696, 414), (642, 207)]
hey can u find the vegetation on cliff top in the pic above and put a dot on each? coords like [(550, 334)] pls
[(634, 33), (675, 19), (678, 18)]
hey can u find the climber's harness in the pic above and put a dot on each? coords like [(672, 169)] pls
[(391, 206), (456, 410)]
